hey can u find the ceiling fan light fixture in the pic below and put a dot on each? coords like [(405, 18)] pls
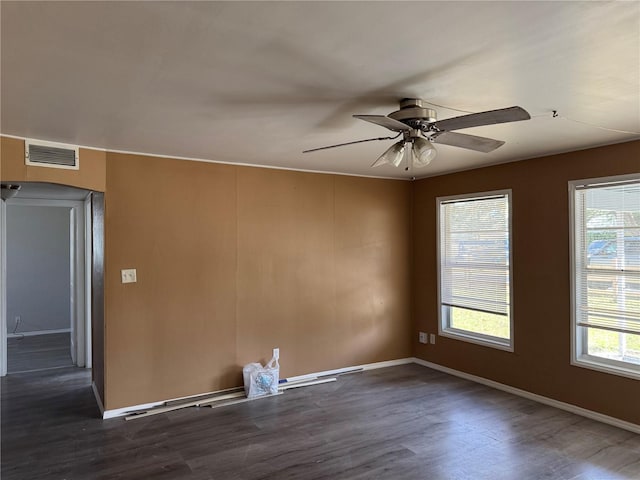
[(392, 156), (423, 152)]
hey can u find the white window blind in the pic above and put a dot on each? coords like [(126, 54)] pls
[(474, 253), (607, 256)]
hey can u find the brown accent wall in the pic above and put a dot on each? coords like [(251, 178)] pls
[(233, 261), (541, 279), (91, 174)]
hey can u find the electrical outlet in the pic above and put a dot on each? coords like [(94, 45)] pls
[(276, 353), (129, 275), (432, 338), (422, 337)]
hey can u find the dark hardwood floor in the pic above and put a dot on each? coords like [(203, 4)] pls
[(406, 422), (38, 352)]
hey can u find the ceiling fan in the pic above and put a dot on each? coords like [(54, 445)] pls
[(420, 129)]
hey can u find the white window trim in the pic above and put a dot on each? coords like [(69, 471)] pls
[(579, 359), (465, 335)]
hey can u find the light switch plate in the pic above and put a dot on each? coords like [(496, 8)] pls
[(432, 338), (129, 275), (422, 337)]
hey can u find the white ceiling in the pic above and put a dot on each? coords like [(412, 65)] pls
[(258, 82)]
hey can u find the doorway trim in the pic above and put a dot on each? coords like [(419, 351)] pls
[(3, 288), (80, 292)]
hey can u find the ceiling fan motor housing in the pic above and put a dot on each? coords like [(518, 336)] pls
[(412, 113)]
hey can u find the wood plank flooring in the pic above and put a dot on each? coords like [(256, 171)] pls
[(406, 422), (38, 352)]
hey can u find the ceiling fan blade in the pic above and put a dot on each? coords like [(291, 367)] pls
[(503, 115), (470, 142), (349, 143), (386, 122)]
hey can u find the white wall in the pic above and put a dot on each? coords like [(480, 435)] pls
[(38, 268)]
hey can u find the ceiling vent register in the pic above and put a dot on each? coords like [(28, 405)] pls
[(53, 155)]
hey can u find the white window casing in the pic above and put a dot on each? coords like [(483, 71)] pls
[(605, 274), (474, 265)]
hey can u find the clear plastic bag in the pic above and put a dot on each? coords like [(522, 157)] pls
[(259, 380)]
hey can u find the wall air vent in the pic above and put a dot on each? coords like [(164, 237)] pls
[(53, 155)]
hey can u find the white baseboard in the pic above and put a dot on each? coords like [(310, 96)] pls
[(616, 422), (119, 412), (98, 399), (38, 332), (632, 427), (338, 371)]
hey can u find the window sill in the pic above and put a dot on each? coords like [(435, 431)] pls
[(611, 367), (478, 339)]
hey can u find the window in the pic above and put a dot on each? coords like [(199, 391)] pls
[(474, 268), (606, 274)]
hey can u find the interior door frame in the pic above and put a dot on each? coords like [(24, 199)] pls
[(3, 288), (81, 291)]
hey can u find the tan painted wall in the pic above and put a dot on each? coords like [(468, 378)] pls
[(233, 261), (541, 279), (91, 174)]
